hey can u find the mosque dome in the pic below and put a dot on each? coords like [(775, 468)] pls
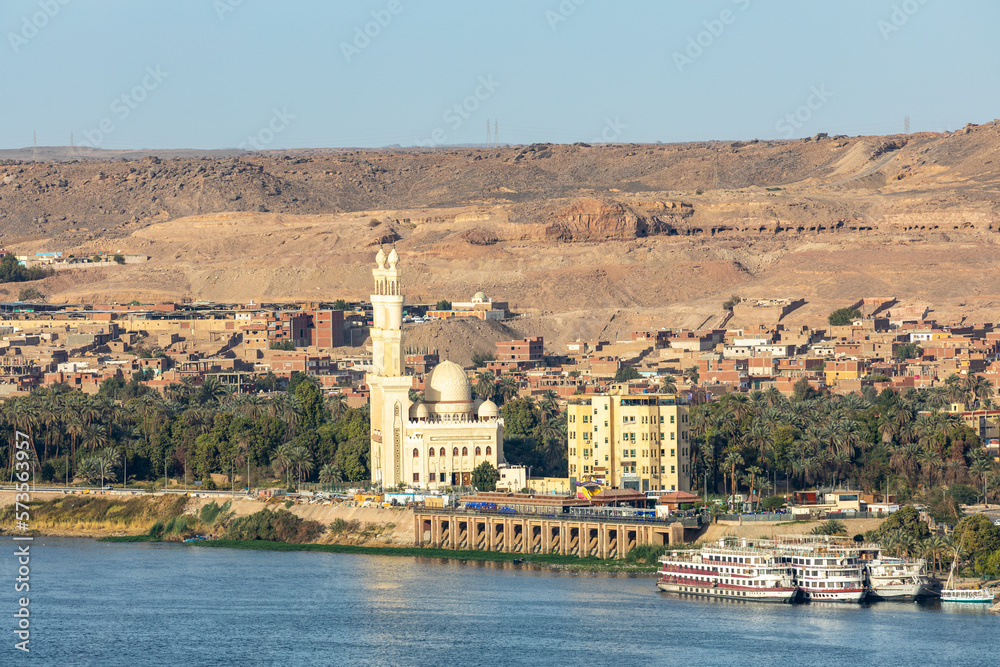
[(478, 297), (393, 258), (380, 258), (419, 411), (488, 410), (448, 383)]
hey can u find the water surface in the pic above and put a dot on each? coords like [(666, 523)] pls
[(95, 603)]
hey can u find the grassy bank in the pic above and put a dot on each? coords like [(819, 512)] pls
[(554, 561)]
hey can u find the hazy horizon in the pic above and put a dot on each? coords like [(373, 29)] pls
[(227, 74)]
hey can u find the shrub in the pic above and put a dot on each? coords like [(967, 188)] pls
[(279, 526), (646, 553), (842, 316), (289, 503), (119, 259), (156, 530), (772, 503)]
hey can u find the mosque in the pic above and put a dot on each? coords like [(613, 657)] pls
[(434, 443)]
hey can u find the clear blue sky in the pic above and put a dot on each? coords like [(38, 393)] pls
[(622, 70)]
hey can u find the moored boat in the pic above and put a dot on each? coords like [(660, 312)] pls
[(899, 580), (731, 569), (950, 593), (826, 569)]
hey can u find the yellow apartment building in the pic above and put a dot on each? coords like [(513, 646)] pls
[(630, 441)]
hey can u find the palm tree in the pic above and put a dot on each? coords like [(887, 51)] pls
[(486, 387), (692, 375), (980, 469), (668, 385), (283, 460), (733, 459), (508, 388), (337, 404), (330, 474)]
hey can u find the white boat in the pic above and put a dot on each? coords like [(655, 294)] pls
[(731, 569), (952, 594), (899, 579), (826, 569)]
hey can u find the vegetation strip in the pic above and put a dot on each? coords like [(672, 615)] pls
[(575, 562)]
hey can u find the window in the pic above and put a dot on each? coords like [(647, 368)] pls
[(671, 452), (416, 453), (479, 451), (661, 419), (489, 450), (672, 434), (433, 477), (671, 469), (663, 452), (441, 452), (454, 452), (430, 452), (465, 451), (416, 478)]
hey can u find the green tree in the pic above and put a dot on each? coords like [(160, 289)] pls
[(30, 294), (977, 535), (626, 373), (118, 258), (907, 520), (908, 351), (479, 359), (311, 401), (485, 477), (842, 316), (340, 304), (443, 305)]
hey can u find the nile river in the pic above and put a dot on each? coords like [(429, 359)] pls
[(144, 604)]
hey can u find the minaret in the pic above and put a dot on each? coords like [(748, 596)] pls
[(387, 316), (390, 388)]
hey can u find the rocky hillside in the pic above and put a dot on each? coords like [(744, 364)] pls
[(589, 240)]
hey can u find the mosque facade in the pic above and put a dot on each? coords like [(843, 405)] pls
[(428, 444)]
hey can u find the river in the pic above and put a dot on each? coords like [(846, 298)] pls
[(95, 603)]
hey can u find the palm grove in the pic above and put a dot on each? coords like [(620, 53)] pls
[(895, 442)]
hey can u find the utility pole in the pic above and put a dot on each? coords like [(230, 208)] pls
[(906, 124), (496, 132), (487, 132)]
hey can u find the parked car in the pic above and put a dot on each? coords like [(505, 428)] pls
[(107, 487)]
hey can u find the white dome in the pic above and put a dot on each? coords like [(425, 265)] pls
[(448, 383), (380, 258), (479, 297), (393, 258), (488, 410), (419, 411)]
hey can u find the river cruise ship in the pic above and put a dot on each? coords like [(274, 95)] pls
[(825, 568), (900, 579), (731, 569)]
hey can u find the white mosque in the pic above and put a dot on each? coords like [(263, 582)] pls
[(434, 443)]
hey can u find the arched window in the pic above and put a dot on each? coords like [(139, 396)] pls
[(465, 451), (430, 452), (441, 452), (454, 452), (479, 451), (416, 452), (489, 450)]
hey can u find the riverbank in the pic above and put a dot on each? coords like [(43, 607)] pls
[(547, 561)]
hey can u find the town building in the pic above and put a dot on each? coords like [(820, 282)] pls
[(636, 441)]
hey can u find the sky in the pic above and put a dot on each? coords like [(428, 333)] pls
[(264, 74)]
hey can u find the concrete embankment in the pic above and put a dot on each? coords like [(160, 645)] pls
[(113, 514), (767, 529)]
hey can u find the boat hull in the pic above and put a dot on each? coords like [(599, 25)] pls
[(901, 592), (772, 595), (848, 596)]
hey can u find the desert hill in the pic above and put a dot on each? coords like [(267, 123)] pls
[(587, 240)]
